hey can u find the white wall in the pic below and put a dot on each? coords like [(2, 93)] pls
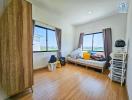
[(1, 7), (48, 17), (3, 4), (40, 60), (128, 37), (116, 22), (3, 95)]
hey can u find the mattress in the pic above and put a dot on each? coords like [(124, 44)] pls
[(71, 59), (100, 64)]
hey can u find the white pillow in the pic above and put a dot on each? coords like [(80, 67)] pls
[(76, 53), (81, 54)]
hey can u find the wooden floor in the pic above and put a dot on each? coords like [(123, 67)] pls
[(74, 83)]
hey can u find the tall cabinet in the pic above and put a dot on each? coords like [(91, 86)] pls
[(16, 72)]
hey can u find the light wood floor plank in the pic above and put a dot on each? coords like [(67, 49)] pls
[(74, 83)]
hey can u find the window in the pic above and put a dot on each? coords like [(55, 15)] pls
[(52, 43), (44, 39), (39, 40), (98, 42), (87, 42), (93, 42)]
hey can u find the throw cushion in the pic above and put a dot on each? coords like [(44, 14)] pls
[(86, 56), (99, 56)]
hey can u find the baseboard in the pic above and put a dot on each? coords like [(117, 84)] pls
[(40, 68)]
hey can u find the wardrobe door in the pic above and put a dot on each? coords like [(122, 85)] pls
[(27, 44), (16, 47)]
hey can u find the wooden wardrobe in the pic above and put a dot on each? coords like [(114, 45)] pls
[(16, 72)]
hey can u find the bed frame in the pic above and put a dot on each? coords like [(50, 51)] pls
[(87, 65)]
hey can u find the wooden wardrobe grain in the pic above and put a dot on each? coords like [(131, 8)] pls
[(16, 72)]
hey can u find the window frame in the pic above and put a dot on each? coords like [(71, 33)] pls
[(93, 41), (46, 39)]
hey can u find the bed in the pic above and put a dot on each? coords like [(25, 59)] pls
[(88, 63)]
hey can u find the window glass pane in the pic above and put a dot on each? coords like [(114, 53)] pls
[(39, 39), (52, 42), (98, 42), (87, 42)]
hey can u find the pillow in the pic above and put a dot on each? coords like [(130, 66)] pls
[(93, 53), (100, 59), (86, 56), (81, 54), (76, 53), (99, 56)]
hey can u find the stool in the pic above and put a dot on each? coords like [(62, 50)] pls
[(52, 66)]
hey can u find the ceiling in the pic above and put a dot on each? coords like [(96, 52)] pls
[(79, 11)]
